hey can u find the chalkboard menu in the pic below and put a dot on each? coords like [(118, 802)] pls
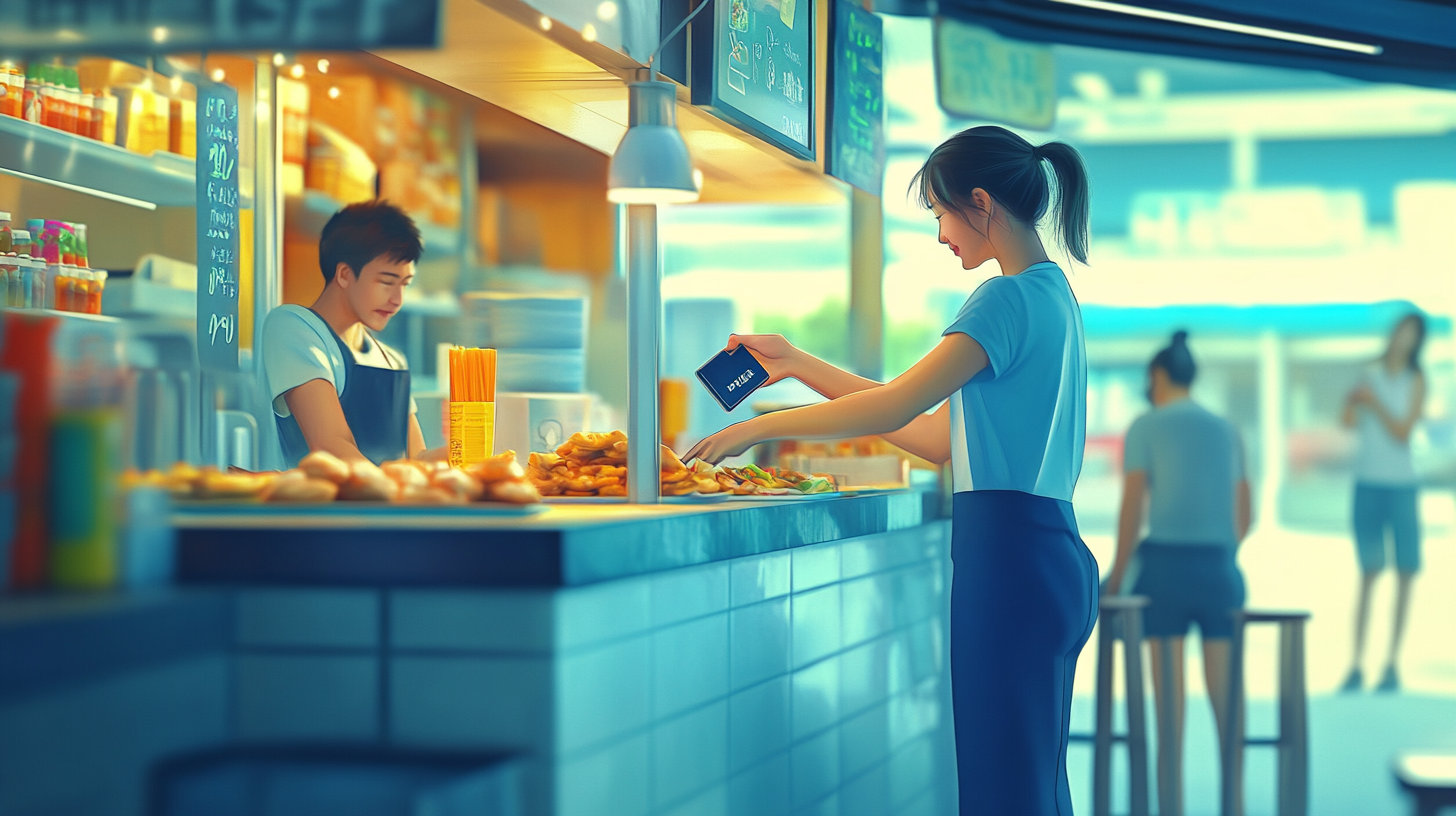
[(217, 226), (856, 139), (754, 66)]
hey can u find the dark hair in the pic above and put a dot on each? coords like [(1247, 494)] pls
[(1177, 360), (361, 232), (1009, 168), (1414, 363)]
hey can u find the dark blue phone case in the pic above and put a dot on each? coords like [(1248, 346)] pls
[(731, 376)]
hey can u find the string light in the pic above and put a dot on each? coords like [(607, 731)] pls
[(589, 32), (323, 66), (334, 92), (159, 34), (278, 60), (545, 23), (296, 71), (218, 75), (607, 11)]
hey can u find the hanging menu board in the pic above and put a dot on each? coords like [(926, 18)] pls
[(856, 138), (217, 226), (754, 66)]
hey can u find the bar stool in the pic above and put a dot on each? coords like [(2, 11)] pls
[(1292, 741), (1430, 779), (1121, 619)]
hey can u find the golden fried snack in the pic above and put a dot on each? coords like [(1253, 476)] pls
[(682, 488), (514, 491), (580, 494), (132, 478), (613, 490), (324, 465), (670, 462), (424, 494), (296, 486), (367, 482), (214, 485), (497, 468), (707, 484), (596, 441), (548, 488), (406, 475), (458, 483)]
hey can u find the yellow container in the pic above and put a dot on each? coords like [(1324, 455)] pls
[(472, 432), (85, 463)]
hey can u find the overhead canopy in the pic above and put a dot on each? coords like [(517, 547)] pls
[(1415, 39)]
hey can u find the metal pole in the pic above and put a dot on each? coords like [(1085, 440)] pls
[(267, 242), (644, 330), (867, 284)]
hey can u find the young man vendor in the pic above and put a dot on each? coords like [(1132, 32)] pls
[(334, 386)]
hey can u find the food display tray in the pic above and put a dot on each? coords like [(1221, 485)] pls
[(354, 508), (695, 498), (794, 497)]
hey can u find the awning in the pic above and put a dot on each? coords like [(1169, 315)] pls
[(1414, 40)]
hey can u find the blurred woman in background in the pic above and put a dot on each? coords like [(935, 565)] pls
[(1383, 409), (1185, 467)]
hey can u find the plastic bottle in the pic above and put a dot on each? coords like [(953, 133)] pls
[(33, 103), (106, 119), (81, 250), (37, 297), (11, 97), (20, 242), (98, 288), (13, 295), (86, 116), (50, 242), (67, 241), (7, 238)]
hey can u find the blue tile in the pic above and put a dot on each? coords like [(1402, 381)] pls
[(759, 723), (827, 806), (691, 592), (918, 594), (289, 696), (816, 768), (867, 612), (760, 642), (816, 697), (759, 577), (603, 693), (865, 675), (511, 620), (862, 556), (927, 649), (867, 794), (86, 748), (590, 615), (614, 781), (762, 790), (912, 771), (333, 618), (865, 740), (491, 702), (689, 665), (712, 802), (900, 678), (817, 623), (690, 753), (815, 566), (917, 712)]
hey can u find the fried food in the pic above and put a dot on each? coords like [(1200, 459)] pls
[(324, 465), (214, 485), (425, 494), (406, 475), (513, 491), (500, 467), (458, 483), (297, 486), (367, 482)]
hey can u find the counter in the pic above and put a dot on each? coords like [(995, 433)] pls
[(767, 658)]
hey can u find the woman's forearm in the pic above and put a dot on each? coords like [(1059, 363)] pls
[(868, 412), (829, 380)]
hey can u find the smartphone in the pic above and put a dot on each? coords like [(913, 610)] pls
[(732, 375)]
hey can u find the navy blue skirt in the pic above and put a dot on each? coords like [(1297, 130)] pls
[(1023, 602)]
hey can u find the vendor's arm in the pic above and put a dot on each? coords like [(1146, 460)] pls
[(315, 407), (877, 410), (417, 448), (926, 436)]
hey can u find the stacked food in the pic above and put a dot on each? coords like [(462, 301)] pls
[(323, 477), (595, 464)]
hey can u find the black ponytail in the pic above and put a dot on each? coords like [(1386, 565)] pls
[(1010, 169), (1177, 361)]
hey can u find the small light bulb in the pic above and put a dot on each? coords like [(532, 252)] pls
[(545, 23), (218, 75), (159, 34), (176, 85), (698, 179), (278, 60), (589, 32), (296, 71), (323, 66), (607, 10), (334, 92)]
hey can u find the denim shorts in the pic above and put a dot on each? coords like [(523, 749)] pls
[(1382, 507), (1187, 584)]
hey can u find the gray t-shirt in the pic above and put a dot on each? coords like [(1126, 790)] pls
[(1193, 460)]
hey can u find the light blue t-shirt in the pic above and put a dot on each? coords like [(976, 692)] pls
[(298, 346), (1021, 423), (1193, 460)]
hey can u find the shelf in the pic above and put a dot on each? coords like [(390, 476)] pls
[(308, 213), (85, 165)]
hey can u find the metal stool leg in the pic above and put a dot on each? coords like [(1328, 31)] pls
[(1231, 768), (1170, 769), (1102, 739), (1121, 619), (1293, 722), (1137, 729)]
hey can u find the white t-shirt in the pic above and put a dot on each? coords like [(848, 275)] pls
[(1379, 458), (1021, 423), (299, 346)]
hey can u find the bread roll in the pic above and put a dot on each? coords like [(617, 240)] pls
[(296, 486), (515, 491), (367, 482), (405, 474), (325, 465), (458, 483)]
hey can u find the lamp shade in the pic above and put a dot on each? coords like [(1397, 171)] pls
[(651, 165)]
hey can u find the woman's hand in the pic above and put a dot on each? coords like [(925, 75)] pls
[(777, 355), (731, 441)]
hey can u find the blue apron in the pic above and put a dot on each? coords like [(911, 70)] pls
[(376, 405), (1023, 601)]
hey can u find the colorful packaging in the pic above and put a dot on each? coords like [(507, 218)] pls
[(85, 463)]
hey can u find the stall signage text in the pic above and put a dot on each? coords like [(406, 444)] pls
[(217, 227)]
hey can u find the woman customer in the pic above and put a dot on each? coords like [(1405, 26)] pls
[(1185, 467), (1012, 372), (1383, 409)]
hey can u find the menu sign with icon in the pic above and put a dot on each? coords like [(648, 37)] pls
[(856, 138), (754, 66), (217, 226)]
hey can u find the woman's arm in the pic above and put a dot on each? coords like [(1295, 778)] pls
[(879, 410), (926, 436), (315, 406), (1129, 524), (1243, 511), (1401, 427)]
